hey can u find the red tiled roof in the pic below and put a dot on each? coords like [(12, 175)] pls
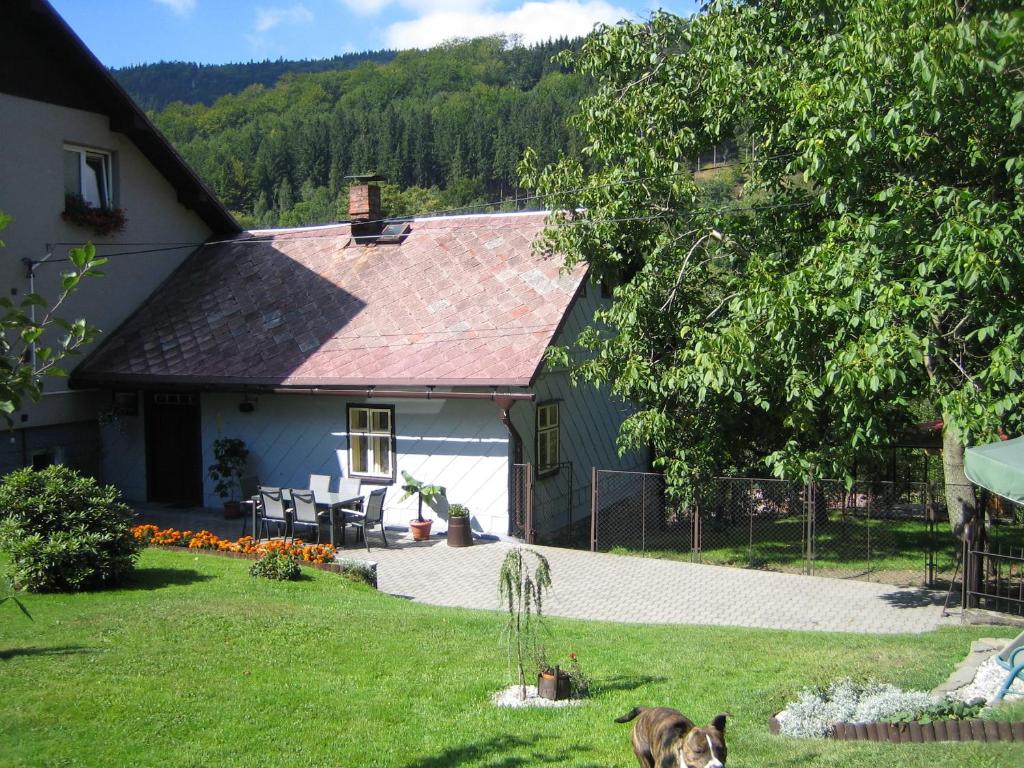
[(461, 301)]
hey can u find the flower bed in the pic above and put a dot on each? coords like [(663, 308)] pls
[(319, 556), (247, 545)]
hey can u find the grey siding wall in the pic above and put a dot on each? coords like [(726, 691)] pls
[(123, 455), (589, 425), (32, 193), (74, 445)]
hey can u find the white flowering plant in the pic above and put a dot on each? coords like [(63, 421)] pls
[(817, 709)]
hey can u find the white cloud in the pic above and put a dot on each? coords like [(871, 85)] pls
[(535, 21), (180, 7), (268, 18)]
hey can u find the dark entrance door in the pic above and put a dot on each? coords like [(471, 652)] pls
[(174, 451)]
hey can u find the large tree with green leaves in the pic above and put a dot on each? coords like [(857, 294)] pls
[(871, 263)]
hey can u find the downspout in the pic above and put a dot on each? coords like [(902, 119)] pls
[(505, 406)]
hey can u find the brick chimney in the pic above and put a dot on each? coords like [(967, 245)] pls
[(364, 203), (364, 210)]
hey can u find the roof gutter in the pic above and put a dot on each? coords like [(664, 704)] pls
[(404, 394)]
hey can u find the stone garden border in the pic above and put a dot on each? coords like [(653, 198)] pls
[(916, 733)]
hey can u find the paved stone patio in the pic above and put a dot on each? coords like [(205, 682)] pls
[(606, 587), (621, 588)]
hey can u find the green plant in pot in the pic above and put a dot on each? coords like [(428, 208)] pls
[(460, 534), (424, 492), (229, 457)]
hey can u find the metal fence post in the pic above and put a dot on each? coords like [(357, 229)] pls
[(593, 509), (810, 508), (643, 514)]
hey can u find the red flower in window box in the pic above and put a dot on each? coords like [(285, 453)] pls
[(102, 221)]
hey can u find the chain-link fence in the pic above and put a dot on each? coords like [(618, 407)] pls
[(752, 523), (896, 533), (629, 513)]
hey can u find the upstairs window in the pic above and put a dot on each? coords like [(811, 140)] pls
[(547, 438), (88, 173), (371, 440)]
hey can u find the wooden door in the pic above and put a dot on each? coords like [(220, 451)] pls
[(174, 451)]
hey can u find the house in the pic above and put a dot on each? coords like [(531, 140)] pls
[(359, 349), (68, 130), (363, 349)]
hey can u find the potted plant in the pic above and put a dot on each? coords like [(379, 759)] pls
[(229, 456), (428, 493), (460, 534), (553, 682)]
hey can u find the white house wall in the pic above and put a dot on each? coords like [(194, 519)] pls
[(459, 444), (32, 193), (589, 426)]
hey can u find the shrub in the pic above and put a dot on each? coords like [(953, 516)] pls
[(846, 701), (64, 531), (277, 566)]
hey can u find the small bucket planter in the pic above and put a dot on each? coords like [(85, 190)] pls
[(922, 733), (554, 685), (460, 534)]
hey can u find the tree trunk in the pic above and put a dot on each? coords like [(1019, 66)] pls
[(960, 504)]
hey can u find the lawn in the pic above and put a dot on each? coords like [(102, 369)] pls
[(198, 664)]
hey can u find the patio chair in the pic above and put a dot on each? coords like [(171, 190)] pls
[(304, 511), (250, 490), (273, 510), (320, 485), (1011, 658), (349, 488), (371, 516)]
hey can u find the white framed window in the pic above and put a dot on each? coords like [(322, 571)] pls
[(89, 174), (371, 442), (547, 438)]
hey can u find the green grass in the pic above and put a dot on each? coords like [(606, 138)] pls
[(199, 664)]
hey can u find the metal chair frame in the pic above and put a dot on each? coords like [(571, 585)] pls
[(272, 501), (304, 511), (372, 515)]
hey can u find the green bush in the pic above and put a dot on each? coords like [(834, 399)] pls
[(64, 531), (277, 566)]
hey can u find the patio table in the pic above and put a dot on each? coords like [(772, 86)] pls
[(332, 503)]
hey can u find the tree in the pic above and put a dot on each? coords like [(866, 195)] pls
[(27, 351), (871, 264)]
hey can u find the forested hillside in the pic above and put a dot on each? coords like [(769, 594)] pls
[(446, 126), (154, 86)]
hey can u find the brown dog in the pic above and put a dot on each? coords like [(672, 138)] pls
[(665, 738)]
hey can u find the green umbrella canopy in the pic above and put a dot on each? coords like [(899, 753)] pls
[(998, 467)]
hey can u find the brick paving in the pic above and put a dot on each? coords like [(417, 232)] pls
[(621, 588)]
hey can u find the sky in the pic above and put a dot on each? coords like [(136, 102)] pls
[(125, 32)]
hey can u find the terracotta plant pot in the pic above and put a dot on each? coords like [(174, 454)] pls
[(460, 534), (232, 510), (554, 685), (420, 529)]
